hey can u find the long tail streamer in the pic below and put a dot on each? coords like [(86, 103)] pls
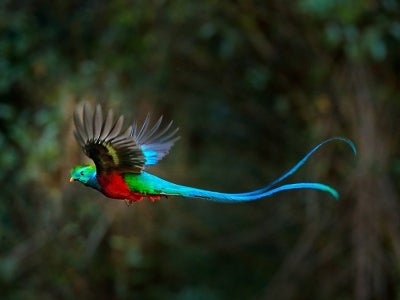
[(268, 190)]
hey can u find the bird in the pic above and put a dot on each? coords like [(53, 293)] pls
[(121, 155)]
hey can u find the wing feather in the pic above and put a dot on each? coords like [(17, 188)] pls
[(104, 141), (116, 129), (155, 142), (107, 125), (87, 122), (143, 129), (80, 131), (97, 121), (113, 148), (153, 130)]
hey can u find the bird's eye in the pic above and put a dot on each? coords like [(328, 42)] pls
[(81, 173)]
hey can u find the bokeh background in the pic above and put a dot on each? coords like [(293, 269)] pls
[(253, 85)]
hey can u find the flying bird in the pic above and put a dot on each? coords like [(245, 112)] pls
[(121, 155)]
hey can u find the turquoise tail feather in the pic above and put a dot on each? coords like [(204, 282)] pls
[(250, 196), (168, 188)]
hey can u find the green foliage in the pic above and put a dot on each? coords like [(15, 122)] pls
[(253, 85)]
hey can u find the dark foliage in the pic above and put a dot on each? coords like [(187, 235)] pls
[(266, 80)]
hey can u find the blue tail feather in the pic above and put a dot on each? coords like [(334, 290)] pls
[(268, 190)]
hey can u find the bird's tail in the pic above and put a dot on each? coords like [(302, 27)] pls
[(268, 190)]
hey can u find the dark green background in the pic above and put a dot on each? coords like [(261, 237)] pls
[(253, 85)]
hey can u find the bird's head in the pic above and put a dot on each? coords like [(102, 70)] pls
[(84, 174)]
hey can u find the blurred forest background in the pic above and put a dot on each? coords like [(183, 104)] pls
[(253, 85)]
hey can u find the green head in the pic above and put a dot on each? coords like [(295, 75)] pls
[(86, 175)]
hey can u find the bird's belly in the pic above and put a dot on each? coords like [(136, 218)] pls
[(113, 186)]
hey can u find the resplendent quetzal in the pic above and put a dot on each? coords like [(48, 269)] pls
[(121, 155)]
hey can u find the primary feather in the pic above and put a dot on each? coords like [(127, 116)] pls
[(120, 157), (114, 149), (154, 142)]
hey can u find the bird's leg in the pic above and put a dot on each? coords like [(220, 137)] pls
[(128, 202), (153, 198), (135, 197)]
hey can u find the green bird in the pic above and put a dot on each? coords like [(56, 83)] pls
[(120, 156)]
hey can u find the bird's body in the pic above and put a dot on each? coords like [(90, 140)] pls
[(120, 158)]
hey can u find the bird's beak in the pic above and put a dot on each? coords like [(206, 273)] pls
[(71, 180)]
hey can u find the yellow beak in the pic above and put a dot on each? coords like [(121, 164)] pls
[(71, 180)]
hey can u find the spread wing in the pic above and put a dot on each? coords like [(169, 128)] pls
[(106, 143), (114, 149), (154, 141)]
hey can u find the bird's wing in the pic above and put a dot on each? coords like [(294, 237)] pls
[(155, 141), (105, 141)]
